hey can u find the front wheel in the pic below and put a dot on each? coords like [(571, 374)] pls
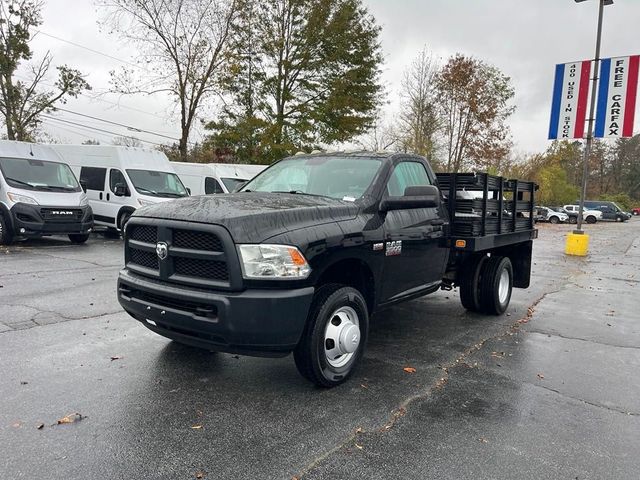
[(78, 237), (6, 235), (573, 220), (591, 219), (334, 338), (554, 220), (496, 285)]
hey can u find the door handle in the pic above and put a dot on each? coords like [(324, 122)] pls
[(437, 221), (100, 196), (108, 197)]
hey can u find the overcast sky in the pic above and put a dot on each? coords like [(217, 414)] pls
[(524, 38)]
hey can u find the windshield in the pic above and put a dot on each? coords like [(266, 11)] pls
[(233, 183), (157, 184), (346, 178), (32, 174)]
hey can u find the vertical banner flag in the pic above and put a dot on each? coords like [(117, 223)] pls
[(569, 104), (617, 96)]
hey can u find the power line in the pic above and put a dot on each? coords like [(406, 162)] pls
[(128, 127), (69, 122), (97, 52)]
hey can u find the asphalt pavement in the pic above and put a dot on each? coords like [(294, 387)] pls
[(549, 390)]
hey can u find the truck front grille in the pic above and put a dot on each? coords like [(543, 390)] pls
[(178, 252)]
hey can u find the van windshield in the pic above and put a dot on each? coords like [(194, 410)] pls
[(233, 183), (345, 178), (43, 175), (157, 184)]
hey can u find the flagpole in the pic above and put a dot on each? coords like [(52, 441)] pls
[(592, 107)]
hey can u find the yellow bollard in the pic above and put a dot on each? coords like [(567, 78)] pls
[(577, 244)]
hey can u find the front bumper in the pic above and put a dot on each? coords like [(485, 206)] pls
[(253, 322), (35, 220)]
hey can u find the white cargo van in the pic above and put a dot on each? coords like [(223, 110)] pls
[(120, 179), (209, 178), (39, 195)]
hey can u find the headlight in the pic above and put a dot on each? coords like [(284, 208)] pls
[(84, 201), (272, 262), (17, 198), (145, 203)]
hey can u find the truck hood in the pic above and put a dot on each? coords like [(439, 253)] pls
[(252, 217)]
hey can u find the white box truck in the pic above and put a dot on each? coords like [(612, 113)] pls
[(118, 180), (39, 195), (210, 178)]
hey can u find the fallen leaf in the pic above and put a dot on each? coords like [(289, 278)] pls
[(497, 354), (17, 425), (483, 440), (71, 418), (24, 383), (115, 357), (201, 474), (40, 426), (540, 376), (409, 369), (360, 447), (196, 427), (359, 430)]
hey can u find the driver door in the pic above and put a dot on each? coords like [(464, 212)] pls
[(414, 259)]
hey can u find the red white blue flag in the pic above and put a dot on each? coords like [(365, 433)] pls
[(617, 96), (569, 104)]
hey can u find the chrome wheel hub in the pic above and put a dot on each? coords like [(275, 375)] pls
[(341, 336), (503, 287)]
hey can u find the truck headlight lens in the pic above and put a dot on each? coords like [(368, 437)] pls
[(17, 198), (84, 201), (145, 203), (272, 262)]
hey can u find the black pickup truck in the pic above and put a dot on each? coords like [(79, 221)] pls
[(301, 257)]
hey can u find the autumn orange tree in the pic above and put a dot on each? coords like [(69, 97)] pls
[(474, 103)]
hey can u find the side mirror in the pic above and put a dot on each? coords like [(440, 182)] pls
[(120, 190), (188, 190), (426, 196), (83, 184)]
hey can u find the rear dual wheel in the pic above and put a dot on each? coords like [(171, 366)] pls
[(486, 284)]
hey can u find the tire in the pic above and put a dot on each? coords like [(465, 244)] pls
[(6, 234), (591, 219), (573, 220), (123, 219), (495, 294), (334, 313), (78, 237), (469, 287), (554, 220)]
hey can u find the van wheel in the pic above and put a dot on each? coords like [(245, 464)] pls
[(78, 237), (6, 235), (573, 220), (591, 219), (496, 284), (554, 219), (124, 218), (469, 286), (334, 337)]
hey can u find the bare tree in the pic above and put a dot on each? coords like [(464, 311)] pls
[(418, 120), (380, 137), (23, 102), (182, 45), (125, 141)]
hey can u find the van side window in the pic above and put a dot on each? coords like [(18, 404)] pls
[(93, 177), (407, 174), (116, 177), (211, 185)]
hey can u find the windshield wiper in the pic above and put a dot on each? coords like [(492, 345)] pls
[(142, 189), (19, 181), (172, 194), (299, 192)]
